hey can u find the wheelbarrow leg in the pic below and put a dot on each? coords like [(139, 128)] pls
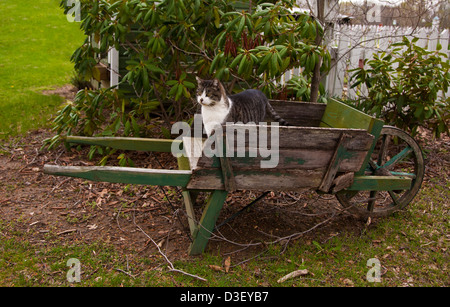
[(207, 221)]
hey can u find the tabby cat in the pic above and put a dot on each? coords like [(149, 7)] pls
[(220, 108)]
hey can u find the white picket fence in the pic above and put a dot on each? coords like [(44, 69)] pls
[(351, 45)]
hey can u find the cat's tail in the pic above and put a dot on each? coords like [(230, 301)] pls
[(275, 115)]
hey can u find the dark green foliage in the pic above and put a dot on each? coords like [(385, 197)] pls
[(403, 87), (168, 43)]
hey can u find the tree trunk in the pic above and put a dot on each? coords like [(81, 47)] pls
[(315, 80)]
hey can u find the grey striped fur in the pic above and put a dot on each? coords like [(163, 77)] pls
[(247, 106)]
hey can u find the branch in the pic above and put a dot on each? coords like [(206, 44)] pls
[(202, 53), (171, 267)]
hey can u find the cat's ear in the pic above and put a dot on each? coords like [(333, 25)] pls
[(215, 83), (198, 79)]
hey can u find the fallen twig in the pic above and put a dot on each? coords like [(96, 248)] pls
[(59, 185), (66, 231), (293, 275), (171, 267), (125, 272)]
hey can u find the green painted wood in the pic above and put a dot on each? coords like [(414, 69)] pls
[(340, 115), (375, 130), (398, 157), (380, 183), (189, 205), (208, 221), (123, 174), (124, 143), (339, 155)]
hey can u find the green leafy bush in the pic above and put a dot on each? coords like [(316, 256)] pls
[(300, 87), (169, 42), (405, 85)]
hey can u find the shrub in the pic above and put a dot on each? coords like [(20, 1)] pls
[(176, 40), (404, 86)]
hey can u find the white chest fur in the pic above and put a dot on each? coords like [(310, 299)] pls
[(214, 115)]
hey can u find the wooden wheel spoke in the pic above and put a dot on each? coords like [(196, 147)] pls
[(394, 197), (372, 200), (397, 157), (383, 149)]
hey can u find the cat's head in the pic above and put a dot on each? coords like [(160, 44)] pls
[(210, 92)]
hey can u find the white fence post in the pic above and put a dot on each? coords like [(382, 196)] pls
[(113, 59)]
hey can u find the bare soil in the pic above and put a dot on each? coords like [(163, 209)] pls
[(67, 91)]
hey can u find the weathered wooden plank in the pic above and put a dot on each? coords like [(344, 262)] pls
[(227, 174), (227, 168), (338, 156), (282, 181), (288, 137), (299, 147), (301, 137), (207, 222), (303, 157), (123, 174), (260, 179), (341, 182), (292, 159), (303, 114), (125, 143), (380, 183)]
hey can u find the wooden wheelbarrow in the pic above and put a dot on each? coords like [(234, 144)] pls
[(333, 148)]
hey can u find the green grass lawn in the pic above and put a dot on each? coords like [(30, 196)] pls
[(36, 42), (411, 247)]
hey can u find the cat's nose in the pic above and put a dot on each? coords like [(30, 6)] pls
[(201, 100)]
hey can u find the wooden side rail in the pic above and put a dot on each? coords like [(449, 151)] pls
[(380, 183), (126, 143), (161, 177)]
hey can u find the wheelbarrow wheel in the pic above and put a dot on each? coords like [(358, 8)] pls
[(396, 153)]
